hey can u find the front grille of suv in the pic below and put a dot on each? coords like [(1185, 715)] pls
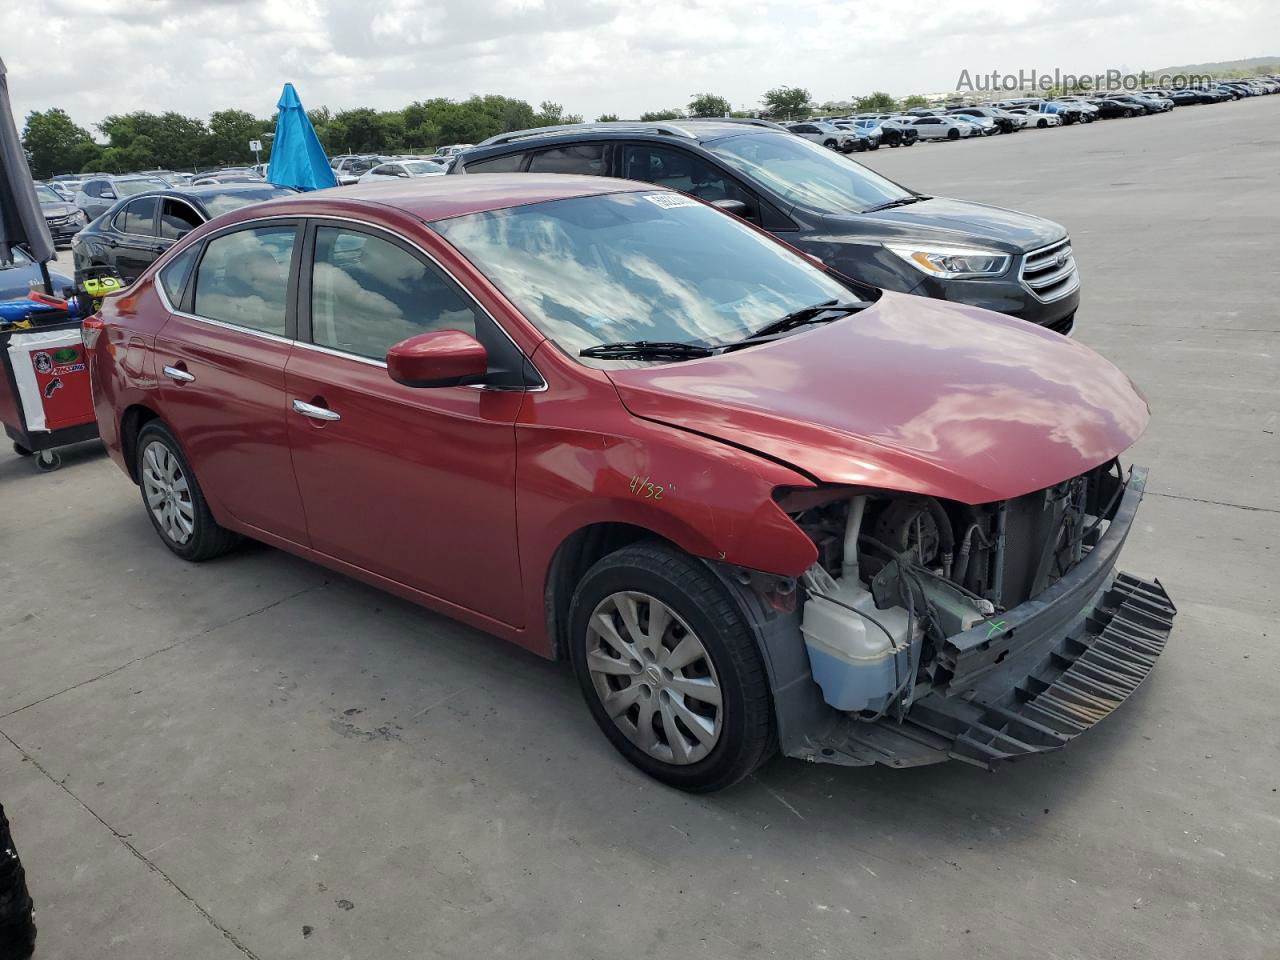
[(1050, 272)]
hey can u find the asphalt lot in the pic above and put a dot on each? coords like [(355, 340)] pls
[(257, 758)]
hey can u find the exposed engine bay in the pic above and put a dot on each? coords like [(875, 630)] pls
[(898, 575)]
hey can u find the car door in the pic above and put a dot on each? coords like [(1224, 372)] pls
[(415, 485), (135, 243), (221, 357)]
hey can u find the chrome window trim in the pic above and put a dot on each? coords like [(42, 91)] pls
[(247, 224)]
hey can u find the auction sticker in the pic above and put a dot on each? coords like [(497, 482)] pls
[(670, 200)]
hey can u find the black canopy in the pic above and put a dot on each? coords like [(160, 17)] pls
[(21, 219)]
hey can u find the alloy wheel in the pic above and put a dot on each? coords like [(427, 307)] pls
[(654, 677), (167, 493)]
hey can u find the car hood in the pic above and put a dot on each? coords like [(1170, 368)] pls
[(962, 222), (912, 394), (52, 210)]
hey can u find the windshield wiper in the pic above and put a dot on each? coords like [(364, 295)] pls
[(900, 202), (816, 313), (646, 350)]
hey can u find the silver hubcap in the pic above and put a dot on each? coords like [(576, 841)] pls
[(167, 493), (654, 678)]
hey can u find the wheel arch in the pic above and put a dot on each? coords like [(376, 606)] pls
[(135, 417)]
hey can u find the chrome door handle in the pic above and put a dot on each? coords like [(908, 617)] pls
[(179, 375), (314, 412)]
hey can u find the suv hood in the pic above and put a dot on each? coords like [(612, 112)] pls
[(962, 222), (912, 394), (64, 209)]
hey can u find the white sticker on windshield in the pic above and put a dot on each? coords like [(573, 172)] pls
[(669, 200)]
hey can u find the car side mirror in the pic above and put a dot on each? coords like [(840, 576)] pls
[(730, 205), (444, 358)]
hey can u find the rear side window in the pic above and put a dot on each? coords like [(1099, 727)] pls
[(508, 164), (174, 274), (584, 158), (243, 278), (368, 293), (685, 172), (176, 219)]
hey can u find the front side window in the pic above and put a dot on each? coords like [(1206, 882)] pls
[(804, 173), (637, 266), (508, 164), (584, 158), (368, 294), (683, 171), (243, 278), (139, 217)]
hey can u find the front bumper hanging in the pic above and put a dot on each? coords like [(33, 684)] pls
[(1036, 678)]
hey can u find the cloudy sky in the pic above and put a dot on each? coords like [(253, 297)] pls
[(95, 57)]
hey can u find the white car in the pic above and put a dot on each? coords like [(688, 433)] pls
[(827, 134), (453, 149), (403, 169), (1036, 119), (943, 128)]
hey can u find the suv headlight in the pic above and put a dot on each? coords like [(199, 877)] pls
[(953, 263)]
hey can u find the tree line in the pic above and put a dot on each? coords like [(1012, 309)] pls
[(171, 141)]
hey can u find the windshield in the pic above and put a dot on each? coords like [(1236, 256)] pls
[(47, 194), (219, 201), (804, 173), (637, 266), (420, 167), (127, 188)]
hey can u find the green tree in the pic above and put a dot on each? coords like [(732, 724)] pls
[(876, 102), (709, 105), (787, 102), (654, 116), (552, 114), (914, 101), (607, 118), (229, 134), (55, 144)]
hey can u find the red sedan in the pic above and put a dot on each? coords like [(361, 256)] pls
[(757, 505)]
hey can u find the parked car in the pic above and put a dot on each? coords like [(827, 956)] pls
[(453, 149), (1002, 122), (1109, 107), (943, 128), (63, 217), (21, 274), (1137, 106), (1161, 104), (982, 126), (857, 222), (864, 139), (826, 134), (754, 506), (405, 170), (215, 177), (97, 194), (136, 230), (892, 132), (1036, 119)]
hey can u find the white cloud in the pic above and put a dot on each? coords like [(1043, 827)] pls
[(95, 57)]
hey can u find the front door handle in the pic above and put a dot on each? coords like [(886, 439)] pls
[(314, 412), (178, 375)]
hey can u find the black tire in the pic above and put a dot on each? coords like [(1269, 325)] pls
[(20, 450), (685, 585), (953, 134), (48, 461), (207, 539), (875, 145), (829, 144)]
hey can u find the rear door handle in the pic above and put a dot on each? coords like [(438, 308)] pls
[(314, 412), (178, 374)]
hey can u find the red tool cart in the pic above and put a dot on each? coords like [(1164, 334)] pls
[(45, 401)]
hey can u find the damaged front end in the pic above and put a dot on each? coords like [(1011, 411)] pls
[(935, 629)]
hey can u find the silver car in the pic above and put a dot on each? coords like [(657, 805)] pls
[(826, 134), (404, 169), (943, 128), (97, 194)]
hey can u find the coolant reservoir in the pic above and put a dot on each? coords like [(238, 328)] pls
[(857, 664)]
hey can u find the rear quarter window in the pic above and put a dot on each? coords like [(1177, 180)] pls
[(507, 164), (175, 274)]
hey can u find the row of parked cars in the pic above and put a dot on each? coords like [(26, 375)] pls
[(869, 131)]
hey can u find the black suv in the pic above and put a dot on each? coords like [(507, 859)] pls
[(857, 222)]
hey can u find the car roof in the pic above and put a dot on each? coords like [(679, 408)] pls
[(440, 198)]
